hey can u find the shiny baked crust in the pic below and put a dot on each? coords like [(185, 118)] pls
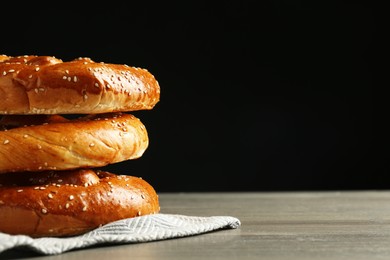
[(50, 183), (32, 143), (58, 204), (47, 85)]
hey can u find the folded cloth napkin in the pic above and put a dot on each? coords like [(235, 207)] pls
[(133, 230)]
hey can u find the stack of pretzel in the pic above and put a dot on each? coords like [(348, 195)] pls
[(61, 122)]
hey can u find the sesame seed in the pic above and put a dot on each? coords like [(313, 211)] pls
[(50, 195), (19, 190), (85, 208), (6, 141), (65, 77), (12, 70), (37, 69), (71, 197), (74, 79), (91, 145), (96, 84), (67, 205), (44, 211)]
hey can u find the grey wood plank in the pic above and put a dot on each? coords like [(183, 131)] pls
[(275, 225)]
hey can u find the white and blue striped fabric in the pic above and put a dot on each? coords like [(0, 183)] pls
[(133, 230)]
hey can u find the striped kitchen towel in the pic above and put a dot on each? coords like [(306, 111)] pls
[(133, 230)]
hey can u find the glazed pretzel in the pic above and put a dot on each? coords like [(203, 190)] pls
[(61, 144), (69, 203), (47, 85)]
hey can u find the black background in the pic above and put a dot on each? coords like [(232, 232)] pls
[(255, 95)]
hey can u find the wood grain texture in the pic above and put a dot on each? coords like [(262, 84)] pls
[(275, 225)]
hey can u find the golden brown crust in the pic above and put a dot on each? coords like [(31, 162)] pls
[(47, 183), (55, 203), (56, 143), (3, 57), (47, 85)]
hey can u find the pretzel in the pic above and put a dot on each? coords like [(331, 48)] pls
[(46, 85), (60, 204), (56, 143)]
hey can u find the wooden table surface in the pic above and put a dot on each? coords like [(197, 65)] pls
[(274, 225)]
